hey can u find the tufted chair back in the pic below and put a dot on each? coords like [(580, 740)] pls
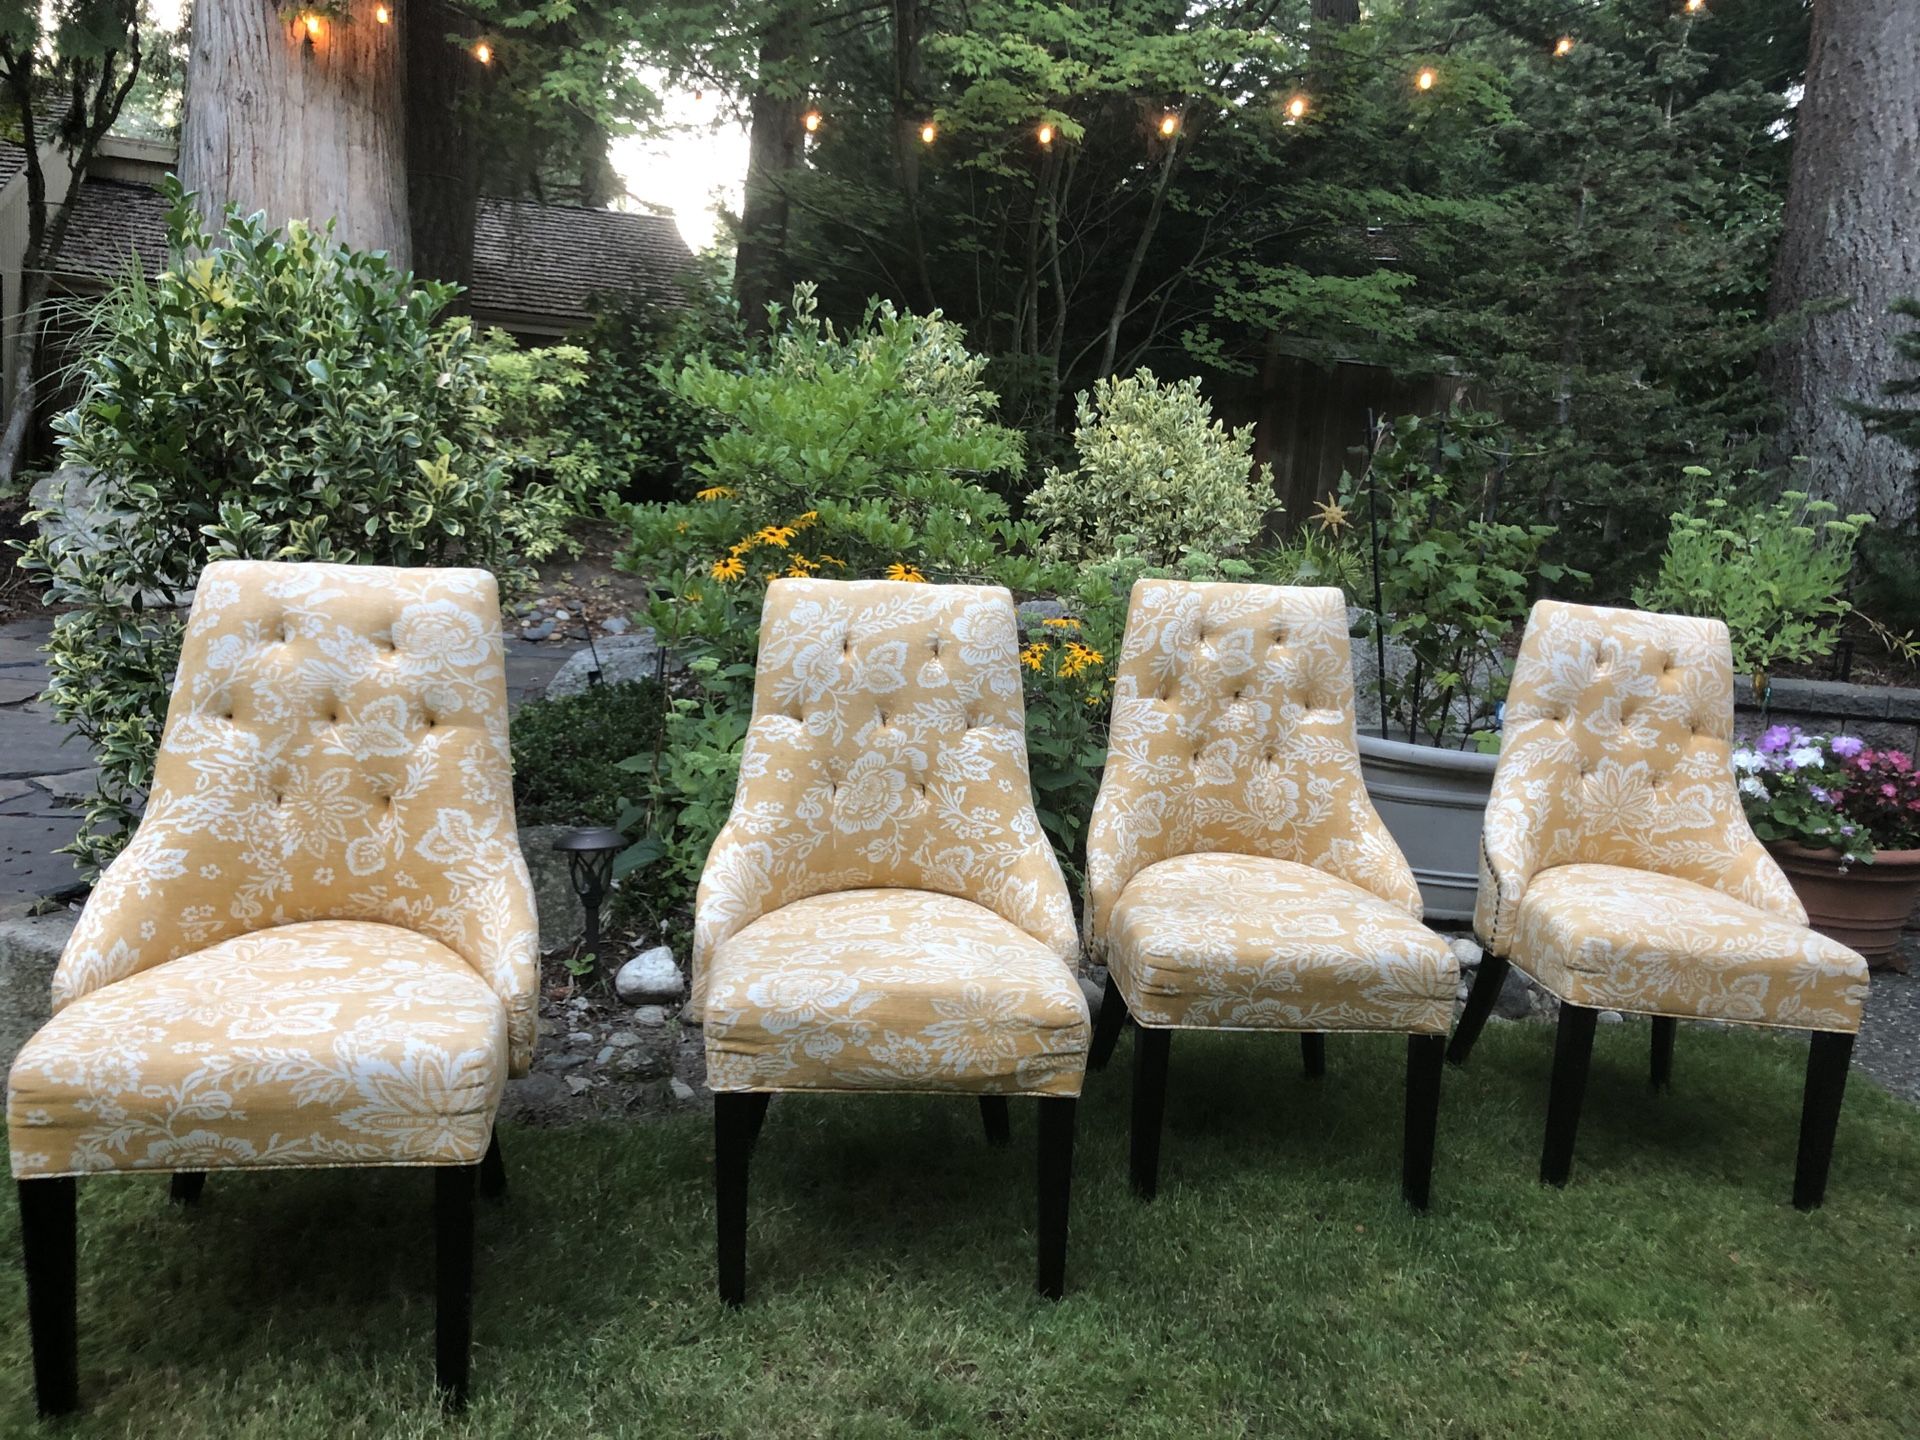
[(887, 748), (1233, 731), (335, 749), (1617, 750)]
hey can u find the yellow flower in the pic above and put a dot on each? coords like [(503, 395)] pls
[(715, 492), (1064, 622), (1032, 655), (897, 571), (833, 560), (801, 567), (1330, 515), (803, 521), (776, 535), (741, 547), (728, 570), (1078, 658)]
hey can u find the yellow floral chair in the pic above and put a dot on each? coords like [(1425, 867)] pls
[(1237, 875), (1618, 870), (319, 948), (882, 910)]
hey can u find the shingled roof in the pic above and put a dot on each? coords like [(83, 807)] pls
[(545, 264)]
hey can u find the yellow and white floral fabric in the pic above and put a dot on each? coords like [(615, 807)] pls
[(1616, 860), (1241, 942), (1238, 875), (335, 750), (883, 861)]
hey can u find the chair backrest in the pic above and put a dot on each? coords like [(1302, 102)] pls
[(335, 748), (1233, 731), (1617, 750), (887, 748)]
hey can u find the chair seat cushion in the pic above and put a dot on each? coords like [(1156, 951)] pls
[(320, 1043), (892, 989), (1622, 939), (1218, 941)]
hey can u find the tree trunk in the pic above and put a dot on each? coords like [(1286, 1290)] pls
[(1851, 235), (775, 135), (443, 158), (301, 125)]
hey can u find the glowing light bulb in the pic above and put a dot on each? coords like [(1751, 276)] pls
[(811, 120), (382, 15), (483, 52), (1563, 46), (1426, 78), (313, 24), (1169, 123), (1046, 135), (1694, 7), (927, 133), (1297, 107)]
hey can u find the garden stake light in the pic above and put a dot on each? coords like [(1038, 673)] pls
[(590, 850)]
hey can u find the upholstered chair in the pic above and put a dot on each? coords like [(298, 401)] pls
[(319, 947), (1238, 877), (1617, 868), (882, 910)]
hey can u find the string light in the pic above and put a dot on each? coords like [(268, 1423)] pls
[(1426, 78), (928, 132), (1169, 124), (1563, 46), (812, 121), (1695, 7), (1046, 135), (313, 24), (1297, 107), (483, 52), (382, 15)]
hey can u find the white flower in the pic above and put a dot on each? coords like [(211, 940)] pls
[(1746, 761), (1751, 785), (1804, 755)]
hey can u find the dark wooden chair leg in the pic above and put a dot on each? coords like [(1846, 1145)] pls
[(1313, 1052), (1426, 1055), (1150, 1048), (493, 1170), (1056, 1189), (185, 1186), (1473, 1019), (453, 1187), (1107, 1025), (993, 1115), (47, 1233), (1827, 1062), (736, 1119), (1664, 1028), (1572, 1054)]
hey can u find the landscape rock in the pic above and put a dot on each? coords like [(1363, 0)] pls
[(559, 1062), (30, 947), (1611, 1017), (1093, 993), (650, 978), (651, 1015), (577, 1084), (621, 657), (646, 1059), (562, 921), (679, 1089), (542, 631), (1516, 997), (535, 1099), (616, 625), (1042, 608), (1466, 951)]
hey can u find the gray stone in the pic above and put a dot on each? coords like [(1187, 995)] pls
[(559, 1064), (652, 1016), (1462, 992), (13, 790), (1516, 997), (30, 947), (650, 978), (20, 682), (621, 658), (623, 1039), (563, 615), (33, 744), (535, 1099), (649, 1059), (616, 625), (1043, 608), (679, 1089), (541, 631), (1611, 1017), (562, 920), (606, 1054), (1093, 993), (577, 1084), (1466, 951), (72, 785), (580, 1037)]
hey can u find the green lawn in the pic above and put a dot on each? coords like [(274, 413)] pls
[(1276, 1287)]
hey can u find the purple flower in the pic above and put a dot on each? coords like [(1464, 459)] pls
[(1775, 738), (1846, 746), (1825, 797)]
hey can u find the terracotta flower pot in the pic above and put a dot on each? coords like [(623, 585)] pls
[(1864, 907)]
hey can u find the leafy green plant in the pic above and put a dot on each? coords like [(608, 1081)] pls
[(1155, 466), (1775, 572), (1452, 580), (276, 397), (557, 474), (567, 752)]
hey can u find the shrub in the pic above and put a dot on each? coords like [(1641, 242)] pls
[(1451, 581), (1157, 467), (567, 753), (555, 473), (1774, 572), (278, 397)]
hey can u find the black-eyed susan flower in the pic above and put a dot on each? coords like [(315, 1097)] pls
[(1078, 658), (1034, 654), (714, 492), (909, 573), (728, 569)]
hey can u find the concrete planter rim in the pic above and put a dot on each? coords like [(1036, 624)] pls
[(1428, 757)]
